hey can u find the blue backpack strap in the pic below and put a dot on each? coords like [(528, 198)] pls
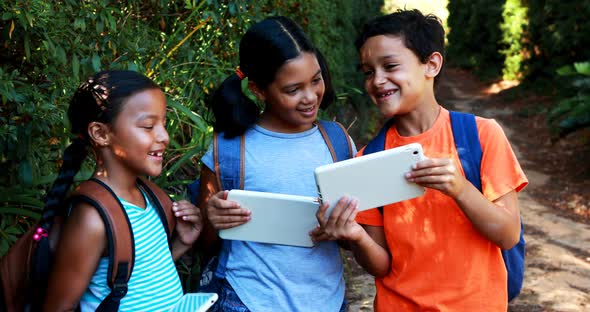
[(377, 144), (470, 153), (228, 160), (337, 139), (468, 146)]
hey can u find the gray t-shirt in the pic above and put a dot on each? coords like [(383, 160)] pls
[(270, 277)]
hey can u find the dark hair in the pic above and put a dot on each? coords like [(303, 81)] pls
[(423, 34), (265, 47), (100, 98)]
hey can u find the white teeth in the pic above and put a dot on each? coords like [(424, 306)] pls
[(155, 154), (386, 94)]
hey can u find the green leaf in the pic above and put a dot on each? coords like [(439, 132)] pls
[(20, 212), (96, 62), (27, 47), (566, 70), (61, 55), (583, 68), (194, 117), (75, 67), (25, 171)]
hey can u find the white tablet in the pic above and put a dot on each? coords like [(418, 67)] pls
[(195, 302), (276, 218), (375, 179)]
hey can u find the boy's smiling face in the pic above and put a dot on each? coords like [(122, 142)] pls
[(395, 79)]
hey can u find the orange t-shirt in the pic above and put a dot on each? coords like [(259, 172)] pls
[(439, 261)]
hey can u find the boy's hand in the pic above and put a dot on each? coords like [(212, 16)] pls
[(225, 214), (440, 174), (189, 223), (340, 225)]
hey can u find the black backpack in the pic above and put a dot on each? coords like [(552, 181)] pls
[(24, 270)]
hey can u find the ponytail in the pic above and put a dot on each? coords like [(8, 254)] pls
[(73, 157), (234, 112)]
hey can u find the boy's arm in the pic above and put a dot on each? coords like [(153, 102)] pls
[(498, 221), (372, 253)]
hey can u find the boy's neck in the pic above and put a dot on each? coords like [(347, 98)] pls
[(417, 121)]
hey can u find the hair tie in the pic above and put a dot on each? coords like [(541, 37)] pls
[(240, 74)]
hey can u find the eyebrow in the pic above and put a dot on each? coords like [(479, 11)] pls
[(381, 58)]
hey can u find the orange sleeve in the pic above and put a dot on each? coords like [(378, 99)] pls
[(500, 170), (370, 217)]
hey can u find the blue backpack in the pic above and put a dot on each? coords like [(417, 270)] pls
[(228, 157), (470, 153)]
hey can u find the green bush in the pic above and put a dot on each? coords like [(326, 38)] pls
[(48, 47), (514, 21), (557, 35), (573, 111), (474, 38)]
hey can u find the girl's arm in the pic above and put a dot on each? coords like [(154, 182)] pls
[(189, 225), (221, 213), (367, 243), (208, 187), (81, 244), (218, 213), (498, 221)]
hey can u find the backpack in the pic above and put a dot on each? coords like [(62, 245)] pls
[(229, 159), (25, 268), (469, 149)]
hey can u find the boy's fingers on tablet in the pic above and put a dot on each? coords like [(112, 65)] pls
[(321, 212), (350, 212), (337, 211)]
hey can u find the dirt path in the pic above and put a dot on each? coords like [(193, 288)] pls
[(557, 276)]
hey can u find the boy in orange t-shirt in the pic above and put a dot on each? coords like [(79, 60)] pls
[(440, 251)]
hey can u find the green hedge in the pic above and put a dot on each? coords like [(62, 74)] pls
[(188, 47), (518, 39), (474, 38)]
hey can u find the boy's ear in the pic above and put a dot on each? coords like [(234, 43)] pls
[(98, 133), (434, 64), (259, 93)]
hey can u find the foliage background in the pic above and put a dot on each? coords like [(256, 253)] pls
[(533, 41), (48, 47)]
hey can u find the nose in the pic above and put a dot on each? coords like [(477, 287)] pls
[(162, 136), (378, 78), (309, 96)]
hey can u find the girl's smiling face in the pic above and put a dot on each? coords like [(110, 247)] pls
[(294, 97), (138, 136), (395, 79)]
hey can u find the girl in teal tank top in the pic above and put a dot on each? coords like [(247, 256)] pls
[(121, 117)]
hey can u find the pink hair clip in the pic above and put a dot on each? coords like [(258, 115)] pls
[(40, 233)]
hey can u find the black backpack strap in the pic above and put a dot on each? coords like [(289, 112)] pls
[(336, 138), (163, 204), (121, 244)]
